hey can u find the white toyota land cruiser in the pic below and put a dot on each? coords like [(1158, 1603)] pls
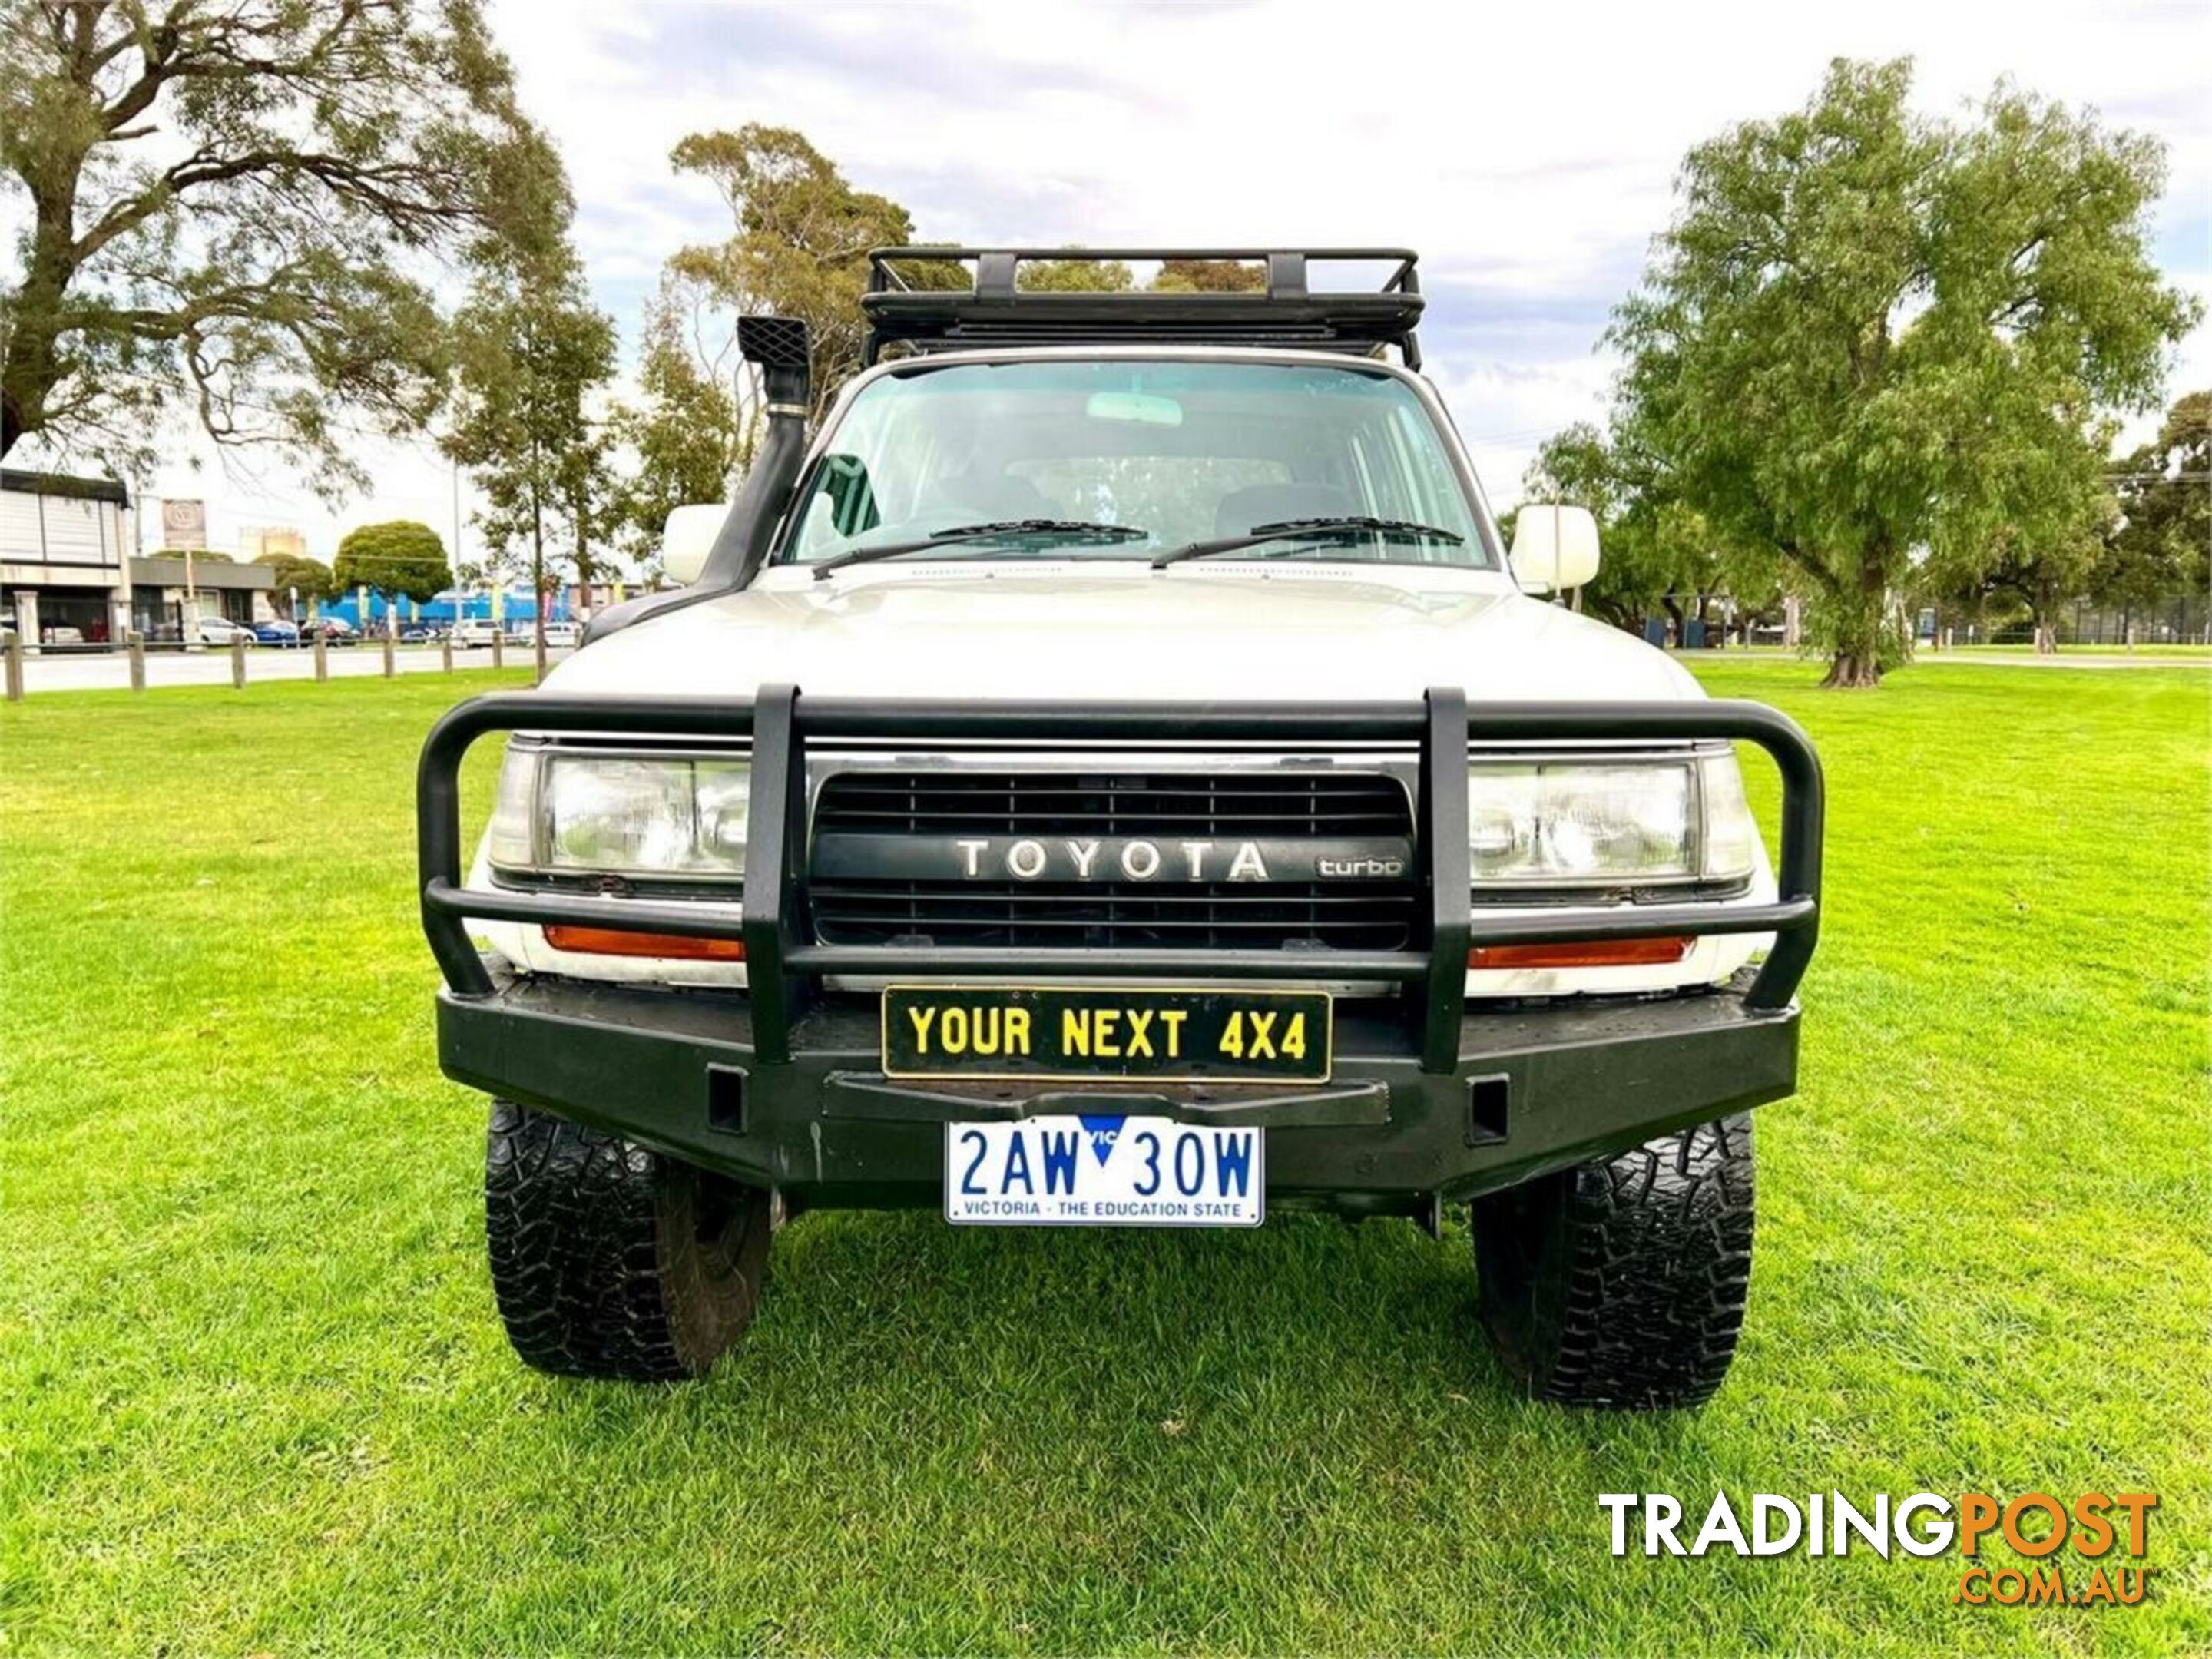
[(1113, 775)]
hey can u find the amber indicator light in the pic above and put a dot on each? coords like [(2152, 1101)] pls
[(1584, 953), (619, 942)]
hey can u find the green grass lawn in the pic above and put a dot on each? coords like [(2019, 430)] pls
[(254, 1397)]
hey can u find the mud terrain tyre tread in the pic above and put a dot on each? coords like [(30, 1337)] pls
[(610, 1260), (1622, 1282)]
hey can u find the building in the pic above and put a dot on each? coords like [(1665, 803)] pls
[(64, 575), (587, 599), (266, 543), (162, 588)]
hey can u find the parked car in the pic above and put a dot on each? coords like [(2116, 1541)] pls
[(334, 630), (220, 630), (1036, 865), (562, 636), (276, 631), (421, 633), (472, 631)]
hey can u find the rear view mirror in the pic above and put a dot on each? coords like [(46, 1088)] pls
[(688, 536), (1134, 406), (1554, 547)]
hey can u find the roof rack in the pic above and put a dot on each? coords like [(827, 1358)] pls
[(987, 305)]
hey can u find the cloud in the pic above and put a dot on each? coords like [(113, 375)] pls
[(1528, 152), (946, 53)]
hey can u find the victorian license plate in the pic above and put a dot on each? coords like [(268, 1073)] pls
[(1076, 1034), (1090, 1171)]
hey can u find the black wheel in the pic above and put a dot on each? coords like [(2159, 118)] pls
[(1621, 1282), (609, 1258)]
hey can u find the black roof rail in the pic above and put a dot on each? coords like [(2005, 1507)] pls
[(987, 305)]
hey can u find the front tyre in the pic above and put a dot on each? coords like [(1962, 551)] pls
[(1621, 1282), (610, 1260)]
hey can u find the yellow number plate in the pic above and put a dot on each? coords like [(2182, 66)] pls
[(1080, 1035)]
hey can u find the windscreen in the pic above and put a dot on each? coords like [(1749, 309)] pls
[(1187, 452)]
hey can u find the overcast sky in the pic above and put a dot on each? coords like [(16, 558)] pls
[(1527, 151)]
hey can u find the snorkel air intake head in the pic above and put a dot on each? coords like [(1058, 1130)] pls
[(778, 345)]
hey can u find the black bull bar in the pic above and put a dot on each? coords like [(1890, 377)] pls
[(782, 960)]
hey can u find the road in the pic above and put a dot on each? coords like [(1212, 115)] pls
[(106, 672)]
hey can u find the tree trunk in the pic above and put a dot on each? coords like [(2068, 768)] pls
[(537, 585), (34, 364), (1855, 663), (2046, 632), (11, 412), (585, 569), (1852, 670)]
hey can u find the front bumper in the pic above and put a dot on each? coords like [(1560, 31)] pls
[(1530, 1090), (1434, 1097)]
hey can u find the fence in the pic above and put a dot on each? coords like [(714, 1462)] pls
[(383, 650), (2182, 620)]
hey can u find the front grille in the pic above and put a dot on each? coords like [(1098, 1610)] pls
[(1202, 916), (1160, 914), (1165, 805)]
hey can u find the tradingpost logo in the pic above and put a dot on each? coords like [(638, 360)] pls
[(2108, 1530)]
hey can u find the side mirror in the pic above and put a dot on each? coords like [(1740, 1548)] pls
[(688, 536), (1554, 547)]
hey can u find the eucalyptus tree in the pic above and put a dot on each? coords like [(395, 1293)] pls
[(684, 432), (799, 243), (531, 352), (2160, 542), (1881, 343), (240, 211)]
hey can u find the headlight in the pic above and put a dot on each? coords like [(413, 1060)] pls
[(621, 814), (1571, 824)]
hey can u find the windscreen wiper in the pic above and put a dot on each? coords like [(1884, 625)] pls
[(1066, 529), (1342, 530)]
